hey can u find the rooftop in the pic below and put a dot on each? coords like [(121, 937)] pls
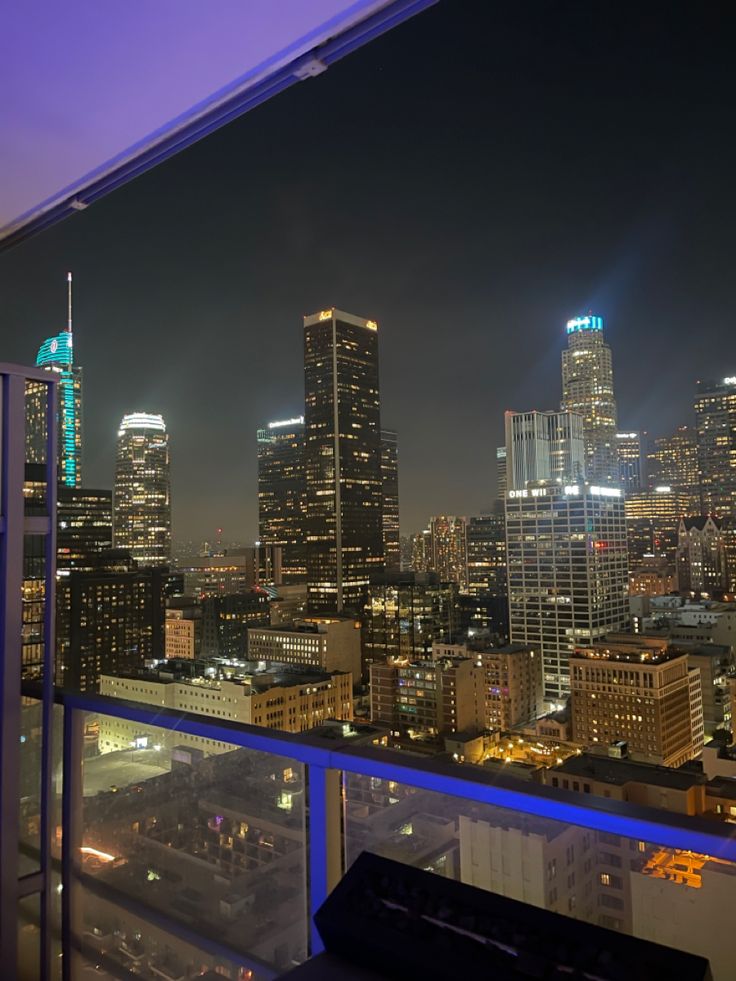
[(620, 772)]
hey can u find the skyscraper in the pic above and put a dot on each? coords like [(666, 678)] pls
[(486, 535), (343, 459), (567, 572), (109, 621), (487, 553), (282, 494), (587, 388), (715, 420), (84, 528), (501, 473), (449, 548), (672, 461), (57, 354), (630, 462), (390, 484), (543, 446), (652, 522), (142, 502)]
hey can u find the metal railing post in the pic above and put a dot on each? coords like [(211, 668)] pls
[(71, 822), (325, 847)]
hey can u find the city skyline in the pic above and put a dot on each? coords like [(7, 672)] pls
[(234, 326)]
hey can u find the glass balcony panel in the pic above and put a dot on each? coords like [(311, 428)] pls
[(210, 835), (672, 896), (29, 938), (115, 940), (29, 758)]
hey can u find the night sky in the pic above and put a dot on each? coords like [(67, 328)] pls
[(471, 180)]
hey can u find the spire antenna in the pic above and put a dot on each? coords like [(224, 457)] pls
[(69, 302)]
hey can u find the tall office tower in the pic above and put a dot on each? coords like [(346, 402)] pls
[(672, 461), (405, 551), (567, 569), (543, 446), (701, 555), (449, 548), (390, 484), (56, 354), (282, 505), (84, 528), (142, 502), (109, 621), (487, 573), (631, 474), (501, 473), (652, 523), (343, 459), (403, 615), (587, 388), (715, 421), (227, 619), (487, 554), (421, 551)]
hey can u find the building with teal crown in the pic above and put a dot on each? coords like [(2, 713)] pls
[(57, 354)]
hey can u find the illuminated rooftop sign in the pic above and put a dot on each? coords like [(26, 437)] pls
[(570, 490), (584, 323), (282, 423), (56, 350), (730, 381), (142, 420)]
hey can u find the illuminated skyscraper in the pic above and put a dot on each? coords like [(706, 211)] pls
[(487, 554), (142, 502), (672, 461), (630, 462), (587, 388), (501, 473), (343, 459), (449, 549), (390, 483), (543, 446), (715, 419), (282, 505), (652, 522), (57, 354), (421, 551), (567, 572)]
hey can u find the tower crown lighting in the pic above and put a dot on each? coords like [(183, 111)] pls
[(584, 323)]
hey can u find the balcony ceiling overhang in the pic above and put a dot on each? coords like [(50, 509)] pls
[(94, 93)]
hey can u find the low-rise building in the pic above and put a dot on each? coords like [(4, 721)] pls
[(513, 688), (327, 643), (289, 701), (183, 630), (681, 791), (428, 697)]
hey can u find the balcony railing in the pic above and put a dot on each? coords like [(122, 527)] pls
[(191, 844)]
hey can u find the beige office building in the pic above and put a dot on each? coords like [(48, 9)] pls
[(289, 703), (636, 690), (327, 643)]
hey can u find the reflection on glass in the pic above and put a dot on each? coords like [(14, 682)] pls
[(29, 758), (671, 896), (211, 835), (29, 938), (33, 592)]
